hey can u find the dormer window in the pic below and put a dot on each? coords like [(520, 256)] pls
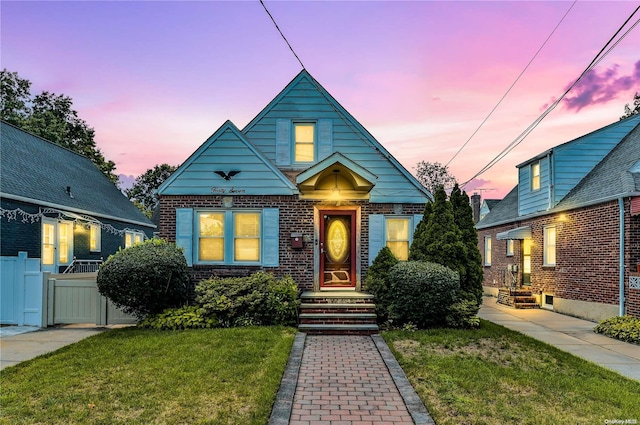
[(535, 176), (304, 141)]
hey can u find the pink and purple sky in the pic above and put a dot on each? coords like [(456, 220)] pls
[(156, 78)]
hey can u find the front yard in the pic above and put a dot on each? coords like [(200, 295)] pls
[(137, 376)]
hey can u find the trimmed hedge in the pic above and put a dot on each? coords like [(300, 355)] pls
[(422, 293), (146, 278), (624, 328)]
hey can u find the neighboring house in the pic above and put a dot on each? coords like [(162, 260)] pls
[(570, 230), (55, 206), (481, 209), (486, 206), (303, 190)]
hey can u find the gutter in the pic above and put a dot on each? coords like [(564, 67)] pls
[(75, 210), (621, 266)]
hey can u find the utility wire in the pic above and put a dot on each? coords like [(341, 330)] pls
[(597, 59), (283, 37), (512, 85)]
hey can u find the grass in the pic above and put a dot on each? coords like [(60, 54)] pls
[(137, 376), (497, 376)]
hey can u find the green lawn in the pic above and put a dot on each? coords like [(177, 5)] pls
[(137, 376), (496, 376)]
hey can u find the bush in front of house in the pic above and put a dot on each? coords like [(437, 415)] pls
[(187, 317), (422, 293), (624, 328), (378, 284), (462, 314), (146, 278), (259, 299)]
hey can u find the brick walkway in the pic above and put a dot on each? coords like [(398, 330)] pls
[(343, 380)]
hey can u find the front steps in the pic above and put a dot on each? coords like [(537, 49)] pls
[(517, 298), (337, 312)]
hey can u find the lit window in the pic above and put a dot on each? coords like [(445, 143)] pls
[(398, 237), (549, 254), (65, 241), (487, 250), (526, 256), (48, 243), (234, 233), (509, 247), (211, 240), (131, 238), (247, 237), (535, 176), (304, 134), (94, 237)]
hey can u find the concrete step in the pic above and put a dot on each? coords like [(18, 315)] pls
[(526, 305), (339, 329)]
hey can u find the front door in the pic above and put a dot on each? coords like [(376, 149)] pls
[(337, 249), (526, 262), (57, 244)]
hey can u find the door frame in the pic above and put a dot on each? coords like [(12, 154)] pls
[(356, 253), (57, 224)]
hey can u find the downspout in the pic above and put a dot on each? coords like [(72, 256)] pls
[(621, 283)]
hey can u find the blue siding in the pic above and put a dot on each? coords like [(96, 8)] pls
[(303, 100), (534, 200)]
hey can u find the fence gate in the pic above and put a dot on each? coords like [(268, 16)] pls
[(74, 298)]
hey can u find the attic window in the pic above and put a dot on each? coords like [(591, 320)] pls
[(304, 142), (535, 176)]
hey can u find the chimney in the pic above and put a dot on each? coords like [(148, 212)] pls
[(475, 204)]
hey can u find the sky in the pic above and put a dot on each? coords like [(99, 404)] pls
[(156, 78)]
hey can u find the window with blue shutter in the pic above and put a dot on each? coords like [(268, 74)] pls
[(283, 142), (394, 231)]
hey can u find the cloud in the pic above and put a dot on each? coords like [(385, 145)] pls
[(600, 87)]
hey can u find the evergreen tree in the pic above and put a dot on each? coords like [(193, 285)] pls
[(377, 282), (463, 217), (438, 239)]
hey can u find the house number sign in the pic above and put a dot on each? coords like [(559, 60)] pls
[(634, 282)]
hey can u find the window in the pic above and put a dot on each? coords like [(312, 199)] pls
[(94, 237), (510, 247), (549, 253), (48, 243), (398, 237), (304, 142), (57, 242), (487, 250), (228, 236), (535, 175), (131, 238)]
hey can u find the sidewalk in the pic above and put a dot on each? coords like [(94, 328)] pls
[(567, 333), (332, 379), (18, 344)]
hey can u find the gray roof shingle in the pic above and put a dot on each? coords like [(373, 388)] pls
[(36, 169)]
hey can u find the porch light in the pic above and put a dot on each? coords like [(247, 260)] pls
[(336, 190)]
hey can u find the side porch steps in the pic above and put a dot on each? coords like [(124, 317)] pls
[(338, 312), (517, 298)]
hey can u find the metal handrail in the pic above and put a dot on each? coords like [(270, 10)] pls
[(83, 266)]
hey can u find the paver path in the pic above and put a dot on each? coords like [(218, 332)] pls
[(344, 380)]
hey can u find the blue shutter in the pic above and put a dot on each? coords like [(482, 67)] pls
[(184, 232), (417, 218), (325, 138), (283, 142), (376, 235), (270, 237)]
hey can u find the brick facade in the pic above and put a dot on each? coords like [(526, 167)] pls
[(587, 255), (296, 216)]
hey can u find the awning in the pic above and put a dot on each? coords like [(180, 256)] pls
[(523, 232)]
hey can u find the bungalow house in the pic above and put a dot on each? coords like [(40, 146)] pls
[(58, 213), (303, 190), (567, 237)]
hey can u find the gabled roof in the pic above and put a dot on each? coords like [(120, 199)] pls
[(616, 175), (491, 202), (227, 163), (347, 119), (37, 171)]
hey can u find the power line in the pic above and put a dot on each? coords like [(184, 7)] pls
[(597, 59), (281, 34), (512, 85)]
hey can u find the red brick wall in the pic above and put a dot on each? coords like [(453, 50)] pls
[(295, 216), (587, 255)]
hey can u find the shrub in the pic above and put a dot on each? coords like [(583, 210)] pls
[(463, 315), (377, 282), (187, 317), (259, 299), (422, 292), (146, 278), (624, 328)]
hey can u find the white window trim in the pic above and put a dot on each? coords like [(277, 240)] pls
[(535, 189), (510, 247), (487, 250), (228, 238), (133, 234), (411, 227), (546, 246)]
